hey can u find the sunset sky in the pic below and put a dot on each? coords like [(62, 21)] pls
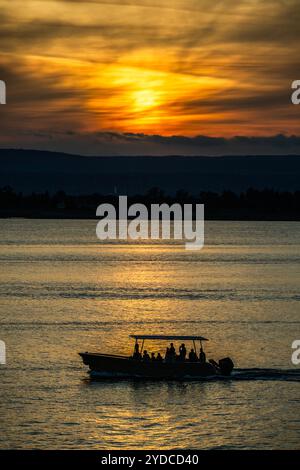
[(102, 76)]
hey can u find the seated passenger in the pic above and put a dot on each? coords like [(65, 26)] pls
[(146, 356), (193, 356), (202, 356), (182, 352), (159, 357)]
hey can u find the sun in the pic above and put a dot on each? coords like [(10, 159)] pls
[(144, 99)]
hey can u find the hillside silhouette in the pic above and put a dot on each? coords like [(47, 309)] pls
[(30, 171)]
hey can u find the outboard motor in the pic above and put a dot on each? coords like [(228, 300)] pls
[(226, 365)]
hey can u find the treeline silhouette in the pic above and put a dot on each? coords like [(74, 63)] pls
[(251, 204)]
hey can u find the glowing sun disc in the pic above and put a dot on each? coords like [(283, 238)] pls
[(144, 99)]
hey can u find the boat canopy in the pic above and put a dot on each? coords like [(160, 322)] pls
[(170, 337)]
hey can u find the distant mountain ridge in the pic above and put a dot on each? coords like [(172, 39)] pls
[(37, 171)]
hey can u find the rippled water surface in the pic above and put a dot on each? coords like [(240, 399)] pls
[(62, 292)]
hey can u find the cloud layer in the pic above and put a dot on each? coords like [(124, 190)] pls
[(112, 144), (149, 67)]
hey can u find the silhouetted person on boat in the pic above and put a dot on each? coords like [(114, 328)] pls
[(172, 351), (146, 356), (159, 357), (153, 358), (202, 356), (167, 355), (170, 354), (137, 354), (193, 356), (182, 352)]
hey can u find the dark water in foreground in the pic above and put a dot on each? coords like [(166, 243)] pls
[(61, 292)]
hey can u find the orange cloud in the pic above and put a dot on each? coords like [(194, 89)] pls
[(187, 67)]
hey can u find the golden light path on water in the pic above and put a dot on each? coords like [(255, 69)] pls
[(62, 292)]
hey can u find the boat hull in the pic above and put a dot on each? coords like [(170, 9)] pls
[(110, 366)]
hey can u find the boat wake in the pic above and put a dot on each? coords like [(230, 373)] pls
[(286, 375), (265, 374)]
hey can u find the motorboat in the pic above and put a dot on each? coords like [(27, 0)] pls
[(171, 367)]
